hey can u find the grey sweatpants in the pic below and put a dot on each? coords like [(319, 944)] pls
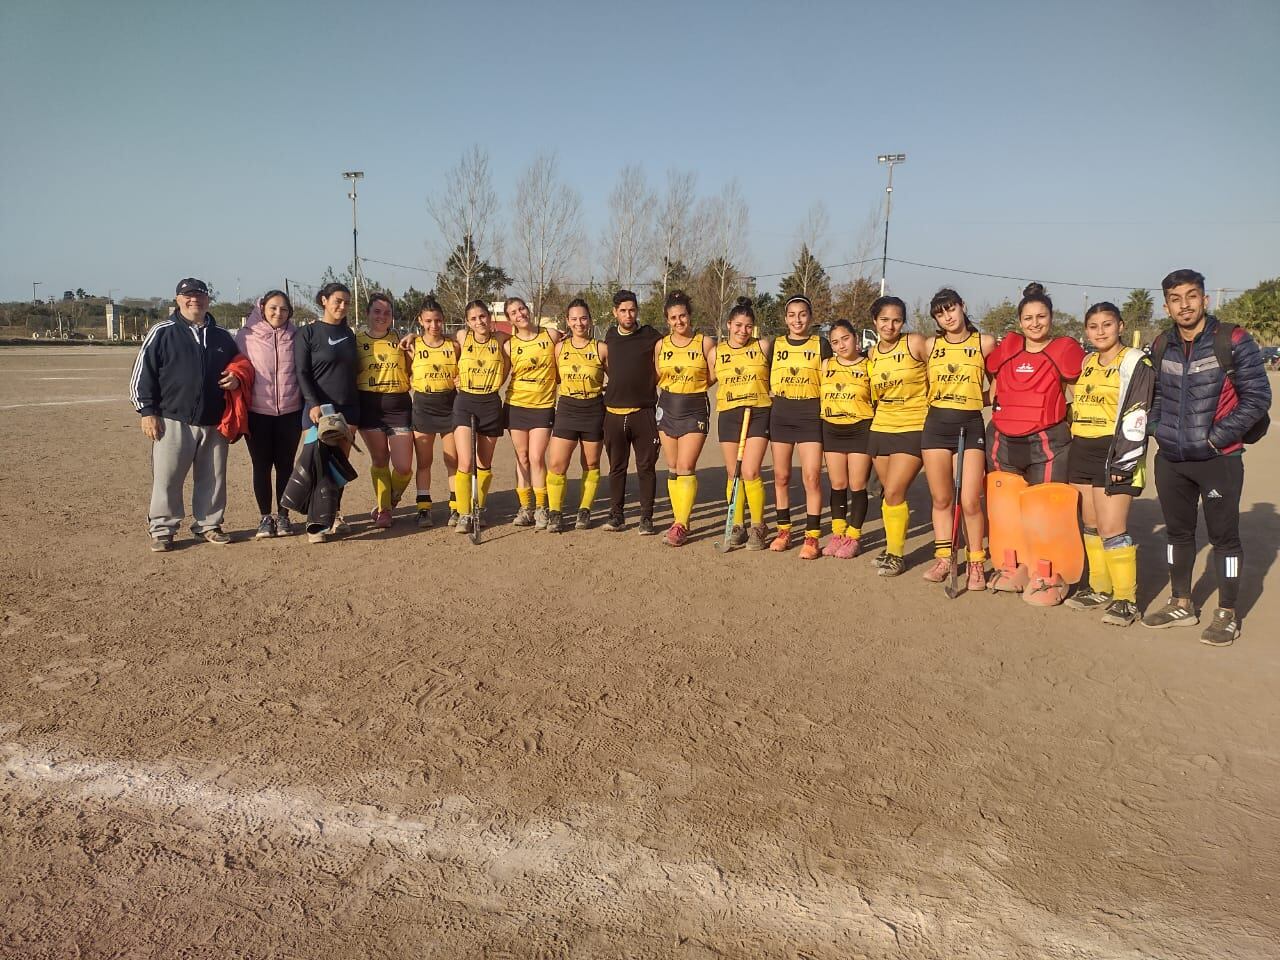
[(182, 448)]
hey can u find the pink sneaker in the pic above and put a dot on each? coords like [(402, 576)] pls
[(676, 535), (939, 570), (848, 549), (977, 575), (382, 519), (834, 545)]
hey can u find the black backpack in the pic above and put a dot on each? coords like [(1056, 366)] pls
[(1222, 349)]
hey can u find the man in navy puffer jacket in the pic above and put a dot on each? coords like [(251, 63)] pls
[(1199, 416)]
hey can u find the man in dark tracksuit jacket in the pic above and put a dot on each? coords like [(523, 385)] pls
[(1199, 416), (177, 388), (630, 396)]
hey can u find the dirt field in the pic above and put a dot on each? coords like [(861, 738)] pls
[(590, 745)]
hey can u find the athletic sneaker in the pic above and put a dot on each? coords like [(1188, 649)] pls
[(880, 558), (284, 526), (646, 528), (977, 575), (161, 544), (424, 519), (318, 536), (1120, 613), (848, 549), (1172, 614), (781, 541), (540, 518), (834, 543), (1222, 630), (382, 519), (464, 524), (340, 526), (524, 517), (756, 537), (1089, 599), (676, 536), (555, 521), (892, 566), (939, 570), (266, 528), (615, 523), (216, 536), (737, 536), (453, 518), (809, 549), (584, 519)]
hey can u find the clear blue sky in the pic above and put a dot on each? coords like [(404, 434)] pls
[(1097, 142)]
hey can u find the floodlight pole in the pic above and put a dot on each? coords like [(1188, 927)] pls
[(891, 159), (34, 284), (353, 176)]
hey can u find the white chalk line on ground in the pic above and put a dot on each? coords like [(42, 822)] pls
[(570, 868), (61, 403)]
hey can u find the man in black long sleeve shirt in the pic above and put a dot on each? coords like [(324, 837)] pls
[(630, 396)]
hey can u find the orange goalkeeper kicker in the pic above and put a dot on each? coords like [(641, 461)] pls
[(1004, 520), (1051, 525)]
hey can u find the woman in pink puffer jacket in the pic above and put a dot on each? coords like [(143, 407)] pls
[(274, 425)]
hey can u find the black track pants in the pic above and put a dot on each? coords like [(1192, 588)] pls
[(273, 444), (1217, 485), (624, 432)]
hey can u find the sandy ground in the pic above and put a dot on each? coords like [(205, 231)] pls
[(590, 745)]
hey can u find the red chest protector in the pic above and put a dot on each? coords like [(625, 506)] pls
[(1029, 394)]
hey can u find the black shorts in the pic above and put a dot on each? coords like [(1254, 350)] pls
[(485, 407), (729, 423), (681, 414), (882, 444), (579, 419), (433, 412), (1087, 465), (796, 421), (530, 418), (942, 426), (350, 412), (1039, 457), (846, 437), (392, 413)]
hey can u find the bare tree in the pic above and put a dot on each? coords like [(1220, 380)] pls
[(726, 248), (677, 228), (810, 278), (463, 212), (626, 240), (547, 228)]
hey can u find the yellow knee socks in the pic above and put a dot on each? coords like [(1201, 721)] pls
[(755, 500), (540, 497), (399, 484), (590, 481), (462, 496), (896, 519), (1122, 567), (484, 478), (525, 495), (381, 477), (555, 491), (1099, 578), (683, 492)]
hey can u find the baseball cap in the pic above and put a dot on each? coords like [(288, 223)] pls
[(192, 285)]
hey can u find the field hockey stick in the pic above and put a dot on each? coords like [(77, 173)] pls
[(475, 481), (953, 589), (725, 545)]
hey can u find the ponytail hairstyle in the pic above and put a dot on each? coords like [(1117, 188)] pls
[(1034, 293), (881, 302), (1104, 306), (578, 302), (846, 325), (742, 308), (328, 290), (476, 305), (798, 298), (947, 297), (288, 304), (430, 305), (678, 298)]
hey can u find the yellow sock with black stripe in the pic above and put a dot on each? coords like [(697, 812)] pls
[(977, 556), (540, 497), (942, 549), (381, 477), (423, 501), (784, 517), (590, 483), (838, 526), (462, 498), (555, 491), (525, 494), (453, 497), (399, 484), (813, 525), (755, 500), (897, 517), (484, 479), (687, 491), (1122, 566), (1099, 578)]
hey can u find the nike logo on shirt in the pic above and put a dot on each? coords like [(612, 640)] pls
[(334, 343)]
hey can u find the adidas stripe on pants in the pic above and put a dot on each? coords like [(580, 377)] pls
[(1182, 488)]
